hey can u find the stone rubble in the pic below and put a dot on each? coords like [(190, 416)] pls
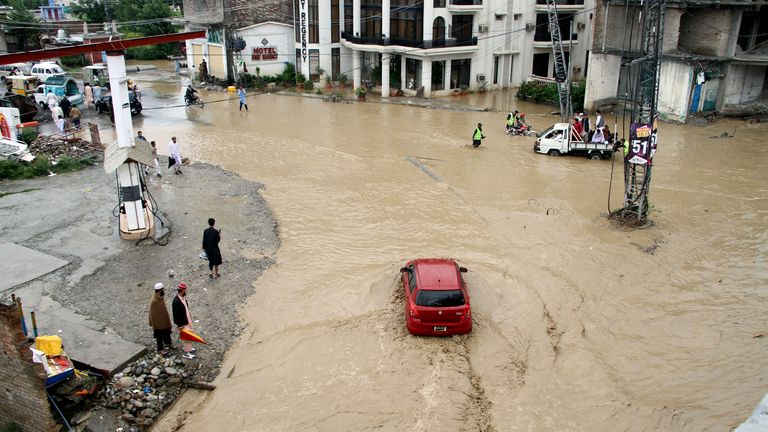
[(143, 389), (55, 147)]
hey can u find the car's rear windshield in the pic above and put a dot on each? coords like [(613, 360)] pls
[(435, 298)]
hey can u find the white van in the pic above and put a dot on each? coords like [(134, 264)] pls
[(46, 70)]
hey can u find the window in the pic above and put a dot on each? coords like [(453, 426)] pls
[(348, 16), (438, 29), (313, 21), (435, 298), (314, 64), (411, 279), (370, 18), (438, 75), (542, 28), (438, 3), (335, 32), (406, 20), (495, 69), (413, 74), (540, 64), (335, 62), (460, 73), (461, 27)]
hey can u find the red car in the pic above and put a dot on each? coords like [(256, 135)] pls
[(436, 297)]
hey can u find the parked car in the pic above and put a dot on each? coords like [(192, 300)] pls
[(46, 70), (104, 104), (27, 107), (436, 297), (5, 70)]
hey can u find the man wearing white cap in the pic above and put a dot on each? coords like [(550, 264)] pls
[(159, 318)]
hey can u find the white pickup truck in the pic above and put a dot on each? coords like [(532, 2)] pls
[(558, 140)]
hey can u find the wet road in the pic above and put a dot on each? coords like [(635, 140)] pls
[(579, 325)]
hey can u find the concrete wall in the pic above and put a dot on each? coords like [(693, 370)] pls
[(22, 384), (626, 34), (278, 36), (674, 90), (706, 31), (743, 83), (603, 80)]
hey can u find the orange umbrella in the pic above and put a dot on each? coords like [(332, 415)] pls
[(189, 335)]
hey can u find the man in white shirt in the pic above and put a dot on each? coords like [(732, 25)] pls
[(174, 160)]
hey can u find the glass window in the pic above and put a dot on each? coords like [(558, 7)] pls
[(348, 16), (540, 64), (313, 21), (314, 64), (370, 18), (495, 69), (413, 74), (438, 4), (461, 27), (433, 298), (438, 29), (411, 279), (406, 20), (335, 62), (438, 75), (460, 73), (335, 32)]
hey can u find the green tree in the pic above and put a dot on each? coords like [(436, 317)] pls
[(90, 11), (24, 25), (128, 11)]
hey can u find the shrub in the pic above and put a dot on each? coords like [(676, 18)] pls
[(547, 93), (319, 91), (28, 135), (308, 85), (361, 91), (41, 166)]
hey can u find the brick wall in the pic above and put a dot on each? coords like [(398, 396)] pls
[(22, 389)]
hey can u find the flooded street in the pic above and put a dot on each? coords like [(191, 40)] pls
[(579, 325)]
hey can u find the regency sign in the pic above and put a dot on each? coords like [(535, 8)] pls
[(303, 29)]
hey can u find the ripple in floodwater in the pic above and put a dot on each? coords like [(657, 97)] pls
[(578, 325)]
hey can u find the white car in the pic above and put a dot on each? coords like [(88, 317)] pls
[(46, 70)]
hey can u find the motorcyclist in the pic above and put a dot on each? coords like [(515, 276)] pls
[(191, 95), (512, 119)]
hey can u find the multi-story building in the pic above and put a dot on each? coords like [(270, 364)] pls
[(438, 46), (714, 56)]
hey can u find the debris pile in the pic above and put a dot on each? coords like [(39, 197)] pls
[(56, 147), (143, 389)]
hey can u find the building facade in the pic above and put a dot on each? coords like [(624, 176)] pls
[(436, 47), (714, 57)]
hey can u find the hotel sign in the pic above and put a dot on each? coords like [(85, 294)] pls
[(264, 53)]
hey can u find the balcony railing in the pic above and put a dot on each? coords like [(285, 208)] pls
[(546, 37), (469, 2), (562, 2), (427, 44)]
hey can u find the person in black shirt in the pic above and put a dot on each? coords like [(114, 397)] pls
[(211, 239)]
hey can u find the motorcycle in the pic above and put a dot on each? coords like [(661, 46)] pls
[(525, 129), (193, 100)]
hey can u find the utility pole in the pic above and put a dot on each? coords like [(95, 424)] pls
[(562, 77), (641, 147)]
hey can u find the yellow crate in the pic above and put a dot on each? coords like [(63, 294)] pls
[(50, 345)]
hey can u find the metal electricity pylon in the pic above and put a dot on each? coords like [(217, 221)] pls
[(641, 146), (561, 68)]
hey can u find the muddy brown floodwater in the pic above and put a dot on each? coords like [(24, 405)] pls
[(579, 325)]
